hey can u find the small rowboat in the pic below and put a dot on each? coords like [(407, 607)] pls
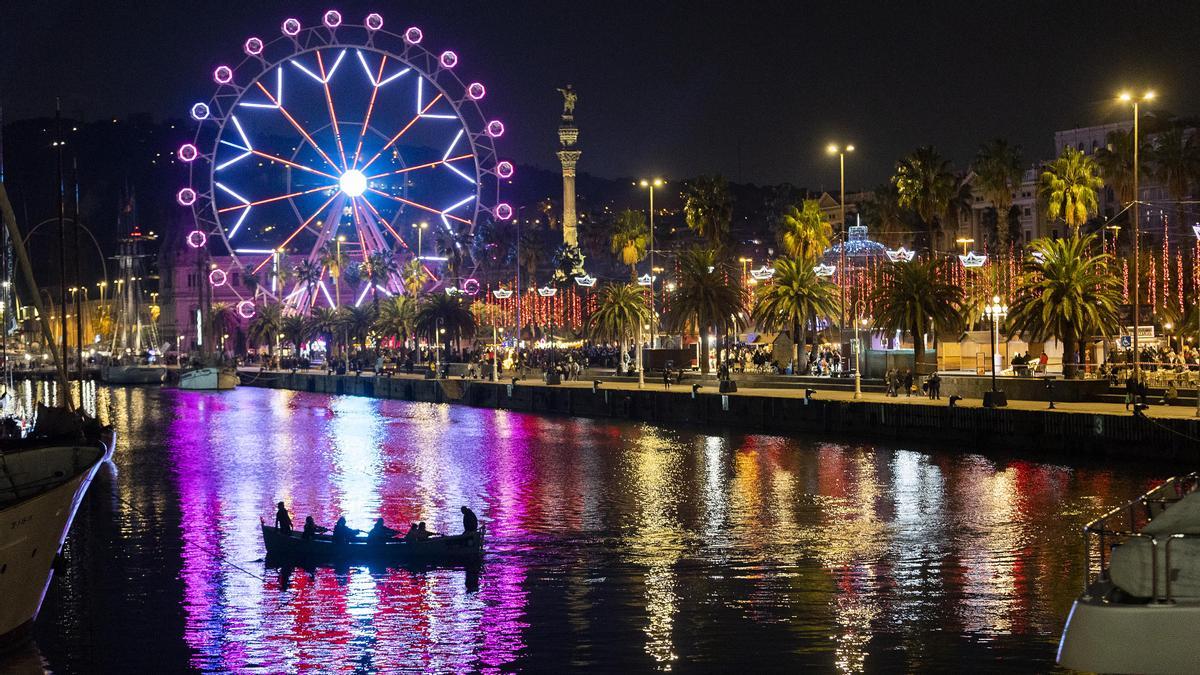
[(320, 548)]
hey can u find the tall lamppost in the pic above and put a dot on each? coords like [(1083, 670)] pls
[(337, 280), (841, 151), (420, 228), (652, 183), (858, 318), (1126, 97), (996, 312)]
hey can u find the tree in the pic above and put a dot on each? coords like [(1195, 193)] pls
[(532, 255), (805, 231), (919, 298), (884, 215), (325, 320), (630, 238), (413, 276), (296, 329), (1177, 165), (378, 270), (334, 259), (358, 322), (1068, 188), (221, 318), (264, 327), (706, 299), (708, 208), (451, 247), (396, 317), (620, 310), (794, 296), (998, 174), (308, 273), (1115, 161), (1065, 292), (440, 311), (925, 184)]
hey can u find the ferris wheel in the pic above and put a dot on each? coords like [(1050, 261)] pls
[(328, 153)]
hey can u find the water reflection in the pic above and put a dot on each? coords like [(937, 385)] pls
[(611, 545)]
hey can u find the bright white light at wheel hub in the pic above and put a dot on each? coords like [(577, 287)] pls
[(353, 183)]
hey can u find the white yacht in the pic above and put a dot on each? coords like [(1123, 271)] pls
[(1140, 608), (40, 489), (208, 378), (133, 373)]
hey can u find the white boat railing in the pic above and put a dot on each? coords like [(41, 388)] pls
[(1126, 522)]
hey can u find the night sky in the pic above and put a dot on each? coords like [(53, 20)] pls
[(753, 90)]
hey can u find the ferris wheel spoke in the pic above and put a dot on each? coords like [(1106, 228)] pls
[(268, 200), (423, 207), (416, 118), (293, 164), (300, 229), (398, 237), (283, 111), (429, 165), (337, 133), (362, 134)]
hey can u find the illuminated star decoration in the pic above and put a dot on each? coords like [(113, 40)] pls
[(824, 270), (972, 260), (901, 255)]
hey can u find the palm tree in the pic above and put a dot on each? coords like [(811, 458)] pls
[(264, 327), (308, 273), (1177, 164), (925, 184), (334, 259), (1066, 292), (621, 309), (396, 316), (706, 299), (441, 311), (325, 320), (795, 295), (532, 254), (359, 321), (1069, 186), (1116, 163), (451, 247), (378, 270), (296, 330), (221, 318), (708, 208), (919, 298), (413, 276), (630, 238), (805, 231), (998, 174)]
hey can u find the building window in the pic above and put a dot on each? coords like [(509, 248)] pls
[(1028, 236), (1028, 212)]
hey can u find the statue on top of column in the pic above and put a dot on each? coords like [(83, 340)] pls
[(569, 98)]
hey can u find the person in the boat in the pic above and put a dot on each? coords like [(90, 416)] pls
[(312, 529), (381, 532), (412, 533), (282, 520), (470, 521), (422, 533), (342, 532)]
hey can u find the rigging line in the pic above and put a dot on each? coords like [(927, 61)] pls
[(429, 165), (402, 131), (298, 230), (275, 199), (430, 209), (337, 133), (362, 134), (299, 128)]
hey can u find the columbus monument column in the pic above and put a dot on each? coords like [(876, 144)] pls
[(568, 154)]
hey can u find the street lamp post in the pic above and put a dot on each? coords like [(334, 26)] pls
[(1137, 208), (858, 306), (651, 184), (841, 151), (996, 312), (420, 228), (337, 285)]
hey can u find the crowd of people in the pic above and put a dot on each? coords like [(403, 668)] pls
[(341, 533)]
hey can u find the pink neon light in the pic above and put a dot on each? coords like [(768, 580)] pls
[(504, 169), (495, 129), (333, 18), (476, 91), (245, 309), (413, 36), (223, 75), (471, 287), (200, 111), (374, 22), (253, 46), (217, 277), (448, 59), (187, 152), (197, 239), (291, 27), (503, 211), (186, 197)]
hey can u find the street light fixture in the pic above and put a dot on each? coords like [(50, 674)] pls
[(420, 228), (650, 184), (996, 311), (1127, 97), (841, 151)]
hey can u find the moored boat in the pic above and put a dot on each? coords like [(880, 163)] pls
[(321, 548), (208, 378), (1140, 608), (133, 374), (40, 490)]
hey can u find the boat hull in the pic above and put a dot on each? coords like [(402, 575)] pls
[(133, 374), (208, 379), (33, 529), (457, 548), (1113, 637)]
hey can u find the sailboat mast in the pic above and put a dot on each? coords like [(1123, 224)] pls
[(78, 283), (62, 246)]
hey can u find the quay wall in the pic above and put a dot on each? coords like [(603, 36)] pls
[(1053, 432)]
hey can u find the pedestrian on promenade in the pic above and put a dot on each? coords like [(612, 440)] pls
[(1130, 390), (666, 378), (890, 381), (908, 382), (935, 386)]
